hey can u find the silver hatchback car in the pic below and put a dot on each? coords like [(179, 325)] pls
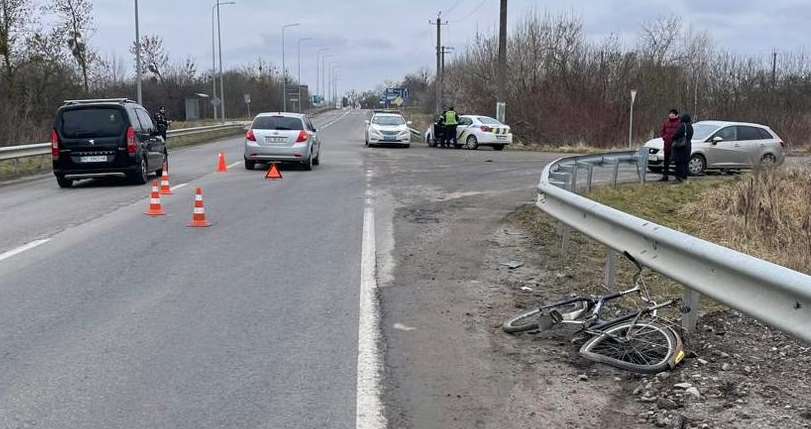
[(721, 145), (282, 137)]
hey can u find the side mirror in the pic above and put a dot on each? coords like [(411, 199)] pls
[(315, 130), (409, 123), (717, 139), (367, 122)]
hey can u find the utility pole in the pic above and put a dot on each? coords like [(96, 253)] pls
[(501, 97), (284, 68), (139, 90), (774, 68), (439, 24), (222, 80), (299, 70)]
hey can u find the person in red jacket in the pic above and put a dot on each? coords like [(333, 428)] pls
[(669, 130)]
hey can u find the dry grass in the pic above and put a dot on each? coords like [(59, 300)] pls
[(578, 149), (766, 214)]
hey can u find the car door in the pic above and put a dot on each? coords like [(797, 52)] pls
[(463, 128), (724, 149), (753, 143), (154, 146)]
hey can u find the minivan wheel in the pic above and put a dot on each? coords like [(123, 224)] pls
[(64, 182), (697, 165), (140, 177), (768, 161)]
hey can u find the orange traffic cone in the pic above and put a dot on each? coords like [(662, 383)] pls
[(199, 216), (221, 167), (166, 189), (274, 173), (155, 208)]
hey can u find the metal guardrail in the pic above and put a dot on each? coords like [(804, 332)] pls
[(770, 293), (41, 149)]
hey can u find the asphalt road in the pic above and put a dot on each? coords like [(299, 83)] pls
[(270, 317)]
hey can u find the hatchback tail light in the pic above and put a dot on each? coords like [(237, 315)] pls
[(486, 129), (250, 136), (303, 136), (54, 145), (132, 144)]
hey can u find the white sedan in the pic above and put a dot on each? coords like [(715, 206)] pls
[(475, 130)]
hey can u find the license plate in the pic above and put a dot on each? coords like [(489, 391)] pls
[(278, 139), (501, 137), (389, 139), (93, 159)]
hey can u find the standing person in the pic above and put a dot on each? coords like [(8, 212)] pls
[(451, 121), (439, 131), (683, 148), (669, 130), (162, 122)]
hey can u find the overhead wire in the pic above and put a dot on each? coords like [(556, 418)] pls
[(473, 12)]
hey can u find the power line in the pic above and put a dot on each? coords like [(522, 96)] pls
[(450, 9), (475, 10)]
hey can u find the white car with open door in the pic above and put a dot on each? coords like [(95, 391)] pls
[(476, 130)]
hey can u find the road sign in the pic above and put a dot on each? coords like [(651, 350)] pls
[(247, 98), (215, 101)]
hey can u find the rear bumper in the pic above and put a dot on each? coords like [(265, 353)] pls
[(494, 139), (121, 165), (256, 152)]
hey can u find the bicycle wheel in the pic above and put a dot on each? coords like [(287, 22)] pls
[(644, 347), (542, 318)]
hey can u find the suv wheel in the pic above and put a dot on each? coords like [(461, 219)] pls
[(697, 165), (140, 177), (64, 182), (159, 172)]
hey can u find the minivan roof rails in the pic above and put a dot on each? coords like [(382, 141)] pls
[(99, 100)]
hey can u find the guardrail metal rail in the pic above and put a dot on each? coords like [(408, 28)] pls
[(773, 294), (42, 149)]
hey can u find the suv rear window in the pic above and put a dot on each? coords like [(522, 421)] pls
[(95, 122), (281, 123)]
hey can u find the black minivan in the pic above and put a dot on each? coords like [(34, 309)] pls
[(109, 137)]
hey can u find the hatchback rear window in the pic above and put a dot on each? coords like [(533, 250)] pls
[(282, 123), (96, 122)]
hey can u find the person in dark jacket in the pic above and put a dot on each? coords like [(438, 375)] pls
[(162, 122), (681, 155), (669, 130)]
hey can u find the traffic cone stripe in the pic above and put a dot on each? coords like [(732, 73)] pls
[(155, 208), (199, 212)]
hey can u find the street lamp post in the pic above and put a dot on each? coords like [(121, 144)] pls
[(219, 41), (318, 70), (139, 89), (284, 68), (324, 76), (299, 70), (631, 126)]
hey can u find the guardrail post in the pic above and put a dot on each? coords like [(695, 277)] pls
[(692, 300), (573, 184), (642, 165), (615, 176), (611, 270), (590, 177)]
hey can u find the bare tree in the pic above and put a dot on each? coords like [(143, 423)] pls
[(13, 19), (155, 58), (76, 19)]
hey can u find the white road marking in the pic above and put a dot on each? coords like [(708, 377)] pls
[(335, 121), (23, 248), (369, 411), (234, 164), (176, 187), (401, 327)]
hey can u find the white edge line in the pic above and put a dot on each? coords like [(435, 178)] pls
[(234, 164), (23, 248), (369, 409)]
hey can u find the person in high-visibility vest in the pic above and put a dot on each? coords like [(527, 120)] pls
[(451, 121)]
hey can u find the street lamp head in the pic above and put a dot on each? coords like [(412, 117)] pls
[(290, 25)]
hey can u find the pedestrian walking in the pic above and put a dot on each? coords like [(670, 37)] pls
[(669, 130), (451, 121), (683, 148), (162, 122)]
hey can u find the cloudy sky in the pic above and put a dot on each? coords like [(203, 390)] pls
[(377, 40)]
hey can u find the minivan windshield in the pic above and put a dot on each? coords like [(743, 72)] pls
[(94, 122), (280, 123), (703, 131), (388, 120)]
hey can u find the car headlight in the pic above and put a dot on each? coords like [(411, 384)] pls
[(375, 132)]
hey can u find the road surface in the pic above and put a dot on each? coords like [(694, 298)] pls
[(270, 318)]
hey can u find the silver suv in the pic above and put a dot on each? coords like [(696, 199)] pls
[(721, 145)]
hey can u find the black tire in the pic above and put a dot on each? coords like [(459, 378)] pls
[(408, 145), (63, 181), (650, 349), (308, 164), (498, 147), (249, 165), (471, 143), (140, 176), (768, 161), (655, 170), (697, 165), (159, 172), (317, 160), (541, 318)]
